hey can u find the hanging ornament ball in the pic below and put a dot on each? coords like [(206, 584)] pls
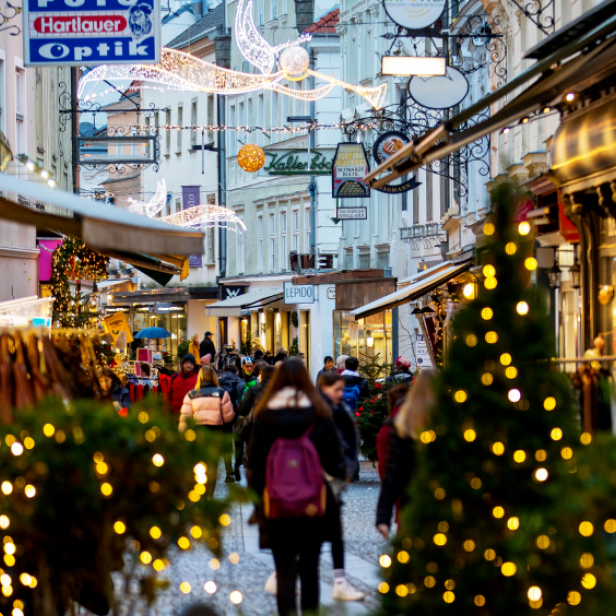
[(251, 157), (294, 61)]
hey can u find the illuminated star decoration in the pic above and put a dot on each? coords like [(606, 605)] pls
[(183, 72)]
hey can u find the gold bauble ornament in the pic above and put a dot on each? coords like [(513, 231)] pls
[(251, 157)]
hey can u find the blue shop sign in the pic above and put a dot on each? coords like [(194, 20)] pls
[(91, 32)]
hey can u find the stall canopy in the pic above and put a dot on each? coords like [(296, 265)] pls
[(572, 59), (416, 286), (101, 227), (233, 306)]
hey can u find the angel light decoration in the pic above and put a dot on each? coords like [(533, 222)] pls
[(184, 72)]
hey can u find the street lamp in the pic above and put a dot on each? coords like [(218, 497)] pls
[(554, 273)]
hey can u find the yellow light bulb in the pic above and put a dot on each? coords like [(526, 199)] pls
[(184, 543), (440, 539), (498, 449), (556, 434), (158, 460), (119, 527), (510, 248), (470, 435), (541, 474), (460, 396), (513, 523), (522, 308), (145, 558), (469, 545), (530, 264), (514, 395), (610, 526), (543, 542), (519, 456), (586, 529), (508, 569), (491, 337), (487, 314), (471, 340), (225, 519), (385, 561), (524, 228), (498, 512), (469, 291), (155, 532), (549, 404), (489, 228), (534, 593), (489, 271), (505, 359), (185, 588), (487, 378), (490, 283)]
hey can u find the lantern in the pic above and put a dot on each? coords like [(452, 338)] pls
[(251, 157)]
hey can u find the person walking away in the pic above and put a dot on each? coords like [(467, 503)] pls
[(400, 464), (281, 355), (211, 407), (112, 388), (328, 366), (355, 387), (395, 397), (182, 382), (340, 367), (331, 386), (229, 382), (401, 374), (251, 398), (248, 377), (294, 440), (194, 347), (207, 345)]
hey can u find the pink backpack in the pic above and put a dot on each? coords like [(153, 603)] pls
[(294, 485)]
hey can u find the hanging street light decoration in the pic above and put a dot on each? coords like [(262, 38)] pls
[(575, 272), (555, 272), (251, 157), (209, 215), (154, 205)]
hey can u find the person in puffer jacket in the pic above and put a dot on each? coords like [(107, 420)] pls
[(211, 407)]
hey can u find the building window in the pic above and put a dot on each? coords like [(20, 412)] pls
[(193, 121), (296, 231), (178, 205), (210, 242), (285, 7), (260, 243), (348, 259), (211, 120), (232, 135), (364, 260), (261, 11), (241, 253), (272, 230), (274, 5), (274, 120), (20, 111), (180, 123), (260, 119), (168, 138), (284, 257)]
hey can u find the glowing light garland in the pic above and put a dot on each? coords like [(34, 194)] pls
[(208, 216), (154, 205)]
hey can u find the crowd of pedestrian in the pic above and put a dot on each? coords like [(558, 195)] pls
[(299, 444)]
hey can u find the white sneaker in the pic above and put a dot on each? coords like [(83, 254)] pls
[(345, 592), (271, 585)]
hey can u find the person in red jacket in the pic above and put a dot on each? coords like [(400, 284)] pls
[(395, 398), (182, 382)]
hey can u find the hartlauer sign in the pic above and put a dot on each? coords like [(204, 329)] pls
[(77, 32)]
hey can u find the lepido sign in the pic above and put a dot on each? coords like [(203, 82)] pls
[(298, 293), (91, 32), (414, 14)]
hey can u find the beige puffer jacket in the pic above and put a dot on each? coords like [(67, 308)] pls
[(210, 406)]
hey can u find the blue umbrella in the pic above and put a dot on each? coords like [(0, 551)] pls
[(153, 332)]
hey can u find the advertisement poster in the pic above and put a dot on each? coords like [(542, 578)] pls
[(116, 324)]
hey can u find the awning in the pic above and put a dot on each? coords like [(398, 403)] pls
[(233, 306), (425, 284), (572, 66), (101, 227)]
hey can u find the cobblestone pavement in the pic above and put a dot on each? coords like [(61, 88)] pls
[(249, 575)]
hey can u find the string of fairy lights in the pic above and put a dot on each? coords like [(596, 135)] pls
[(221, 128)]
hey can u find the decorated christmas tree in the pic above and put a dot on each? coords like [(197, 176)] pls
[(497, 522)]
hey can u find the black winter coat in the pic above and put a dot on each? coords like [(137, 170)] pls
[(229, 382), (348, 434), (399, 470), (122, 396), (292, 423), (364, 391), (207, 346)]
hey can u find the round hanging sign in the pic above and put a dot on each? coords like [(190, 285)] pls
[(386, 145), (414, 14), (441, 92)]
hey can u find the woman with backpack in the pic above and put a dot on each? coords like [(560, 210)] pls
[(211, 407), (294, 444)]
